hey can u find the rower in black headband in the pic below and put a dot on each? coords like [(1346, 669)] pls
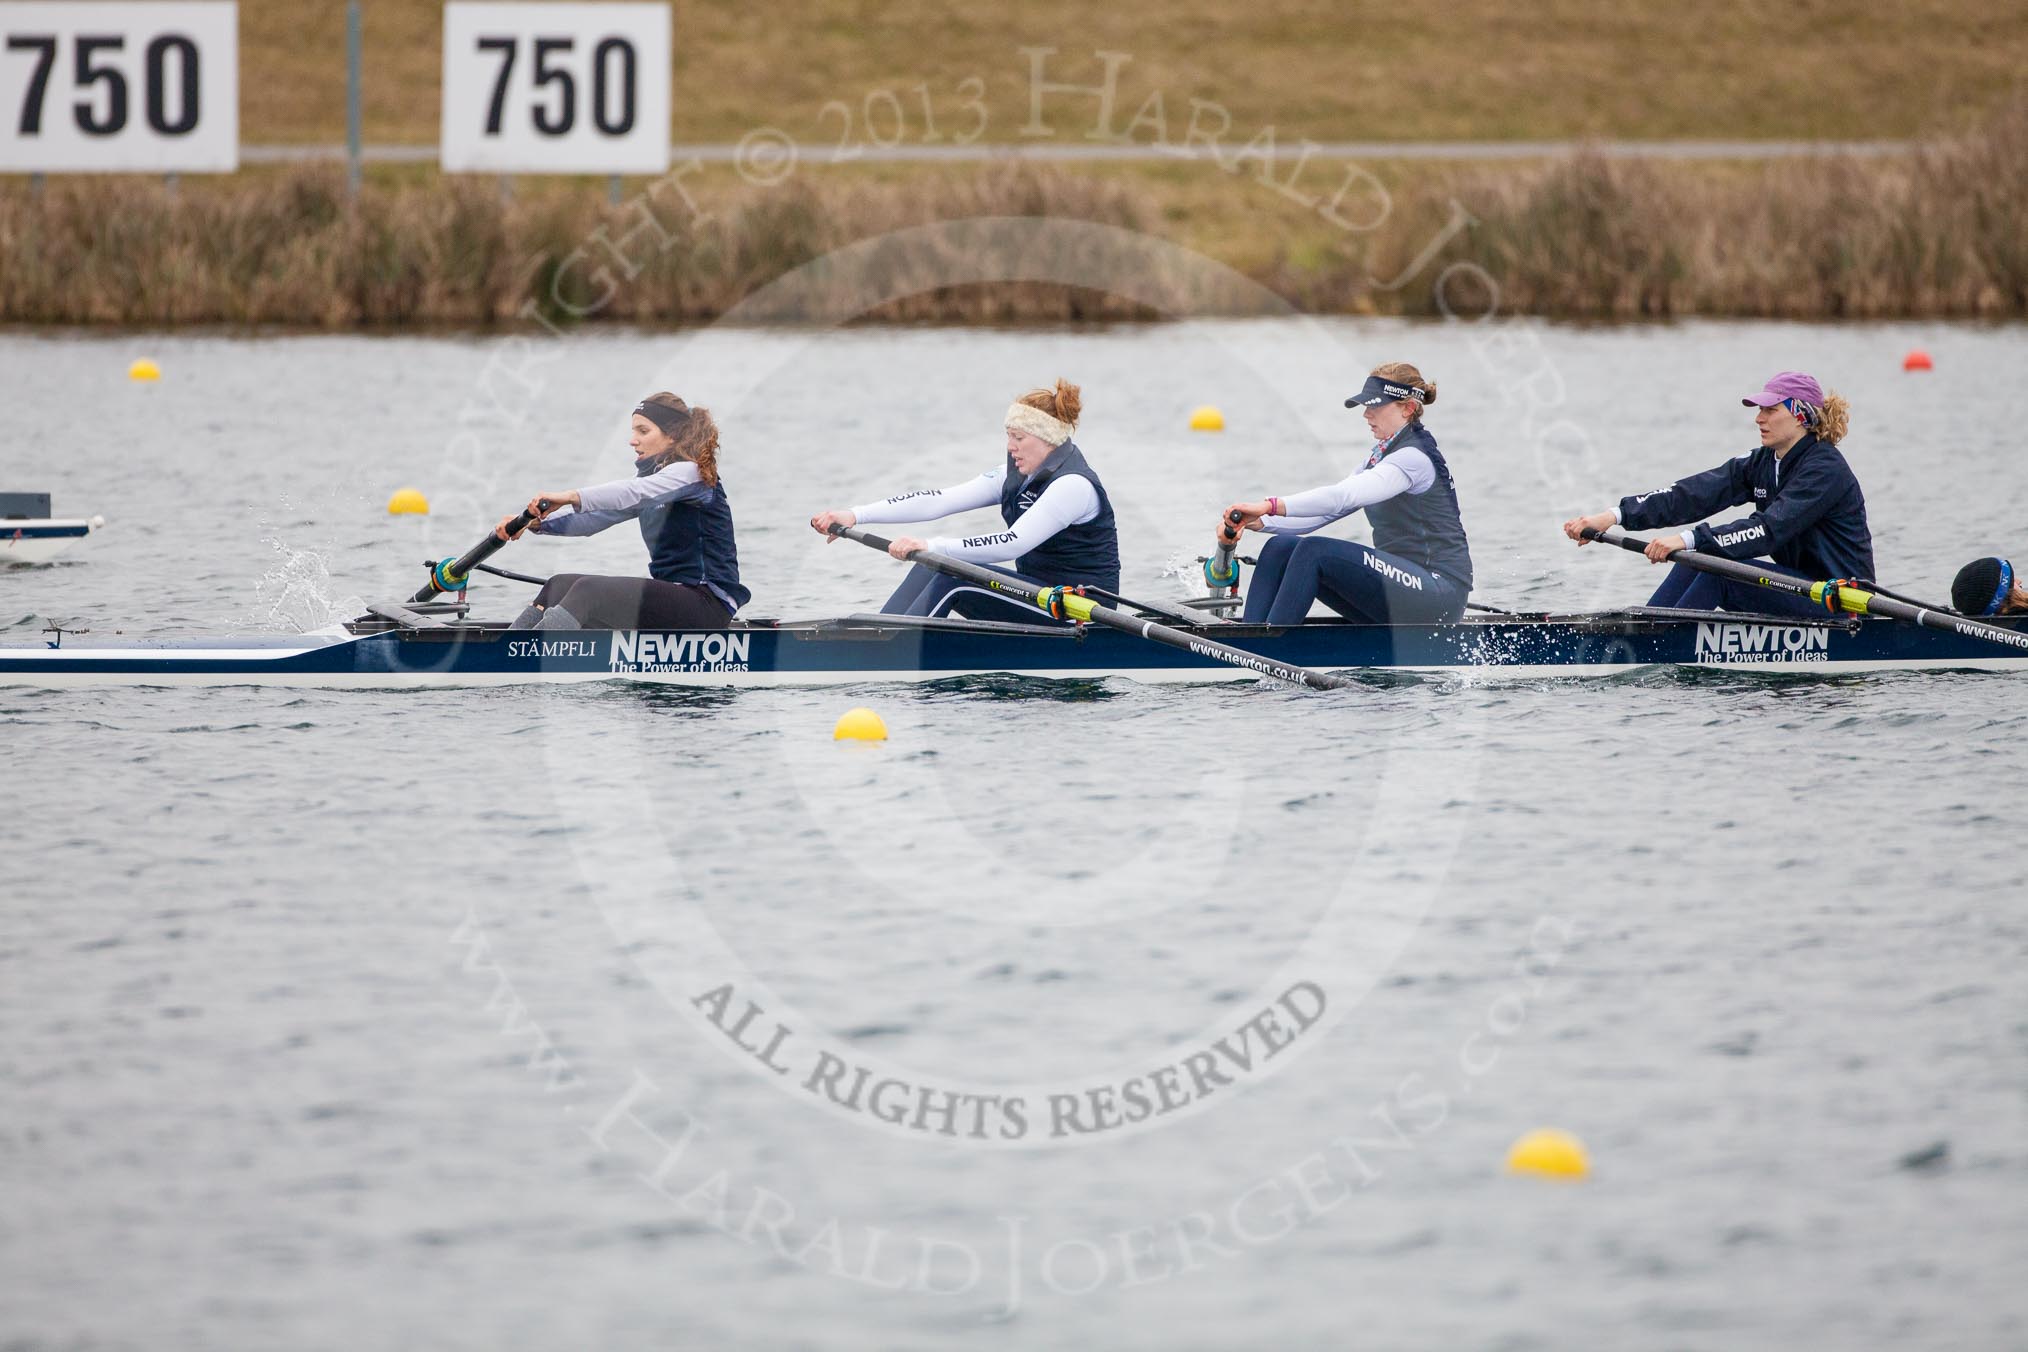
[(671, 419), (686, 522)]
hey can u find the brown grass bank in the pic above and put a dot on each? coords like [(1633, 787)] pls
[(289, 249), (1939, 233)]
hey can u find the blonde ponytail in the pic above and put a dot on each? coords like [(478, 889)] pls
[(1835, 419)]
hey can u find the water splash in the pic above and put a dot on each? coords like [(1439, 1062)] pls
[(297, 594)]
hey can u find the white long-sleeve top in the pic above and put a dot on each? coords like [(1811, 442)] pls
[(608, 504), (1070, 500), (1406, 471)]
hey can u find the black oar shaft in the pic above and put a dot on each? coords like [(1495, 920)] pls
[(1084, 609), (1832, 595), (449, 574)]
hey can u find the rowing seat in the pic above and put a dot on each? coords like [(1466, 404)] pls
[(404, 618)]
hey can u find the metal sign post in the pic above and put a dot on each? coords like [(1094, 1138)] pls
[(353, 46)]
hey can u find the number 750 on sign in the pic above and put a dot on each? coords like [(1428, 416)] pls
[(119, 87), (556, 88)]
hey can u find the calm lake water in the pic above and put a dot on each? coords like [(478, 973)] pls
[(1085, 1015)]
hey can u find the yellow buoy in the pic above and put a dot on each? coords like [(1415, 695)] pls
[(1549, 1152), (1207, 419), (144, 370), (859, 725), (408, 502)]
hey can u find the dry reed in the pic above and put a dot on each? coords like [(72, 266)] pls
[(1943, 232), (1936, 233)]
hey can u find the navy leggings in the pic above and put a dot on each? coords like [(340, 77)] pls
[(1688, 589), (1357, 581)]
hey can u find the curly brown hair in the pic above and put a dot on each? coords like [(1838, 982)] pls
[(695, 439)]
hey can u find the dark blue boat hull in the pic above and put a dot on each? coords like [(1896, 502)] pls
[(872, 650)]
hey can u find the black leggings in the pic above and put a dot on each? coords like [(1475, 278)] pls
[(597, 602)]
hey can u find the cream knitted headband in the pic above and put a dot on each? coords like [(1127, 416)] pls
[(1027, 418)]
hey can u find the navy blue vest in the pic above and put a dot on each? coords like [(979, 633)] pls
[(1086, 555), (691, 543), (1425, 528)]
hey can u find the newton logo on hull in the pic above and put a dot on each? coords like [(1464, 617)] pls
[(637, 651), (1719, 643)]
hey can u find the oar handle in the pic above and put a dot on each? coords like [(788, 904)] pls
[(864, 537), (1613, 535), (1221, 570), (1228, 529)]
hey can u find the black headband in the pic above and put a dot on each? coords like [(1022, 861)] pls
[(663, 416)]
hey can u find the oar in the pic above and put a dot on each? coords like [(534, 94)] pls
[(1221, 570), (449, 575), (1833, 596), (1162, 608), (1870, 585), (1062, 601)]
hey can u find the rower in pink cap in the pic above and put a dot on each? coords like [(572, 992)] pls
[(1807, 514)]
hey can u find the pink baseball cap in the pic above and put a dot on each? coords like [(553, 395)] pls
[(1787, 385)]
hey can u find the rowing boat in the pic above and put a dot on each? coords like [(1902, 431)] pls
[(434, 642), (29, 534), (424, 645)]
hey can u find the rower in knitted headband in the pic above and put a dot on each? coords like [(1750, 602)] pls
[(1047, 415), (1027, 418)]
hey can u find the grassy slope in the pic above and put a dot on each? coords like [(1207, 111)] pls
[(1469, 69)]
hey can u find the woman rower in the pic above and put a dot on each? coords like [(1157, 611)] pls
[(1808, 514), (1060, 529), (1987, 587), (676, 495), (1418, 569)]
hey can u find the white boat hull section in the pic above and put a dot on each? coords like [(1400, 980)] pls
[(42, 539)]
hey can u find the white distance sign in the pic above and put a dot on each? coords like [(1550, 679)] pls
[(556, 88), (93, 88)]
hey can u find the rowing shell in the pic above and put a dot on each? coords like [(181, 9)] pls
[(40, 539), (382, 654)]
